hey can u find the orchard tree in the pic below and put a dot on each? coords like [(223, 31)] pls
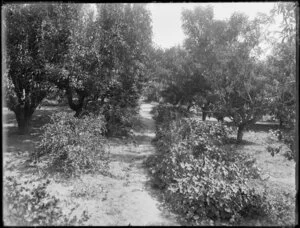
[(26, 82), (155, 75), (36, 54), (282, 76), (106, 59), (183, 79), (282, 81), (227, 51), (282, 66), (243, 82), (125, 46), (205, 38), (65, 26), (105, 67)]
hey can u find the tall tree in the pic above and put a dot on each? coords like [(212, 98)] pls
[(64, 29), (124, 46), (183, 80), (106, 56), (205, 38), (282, 66), (227, 52), (282, 80), (27, 83)]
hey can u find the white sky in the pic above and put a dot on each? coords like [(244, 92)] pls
[(166, 17)]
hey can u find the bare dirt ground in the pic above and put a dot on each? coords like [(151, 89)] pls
[(125, 197)]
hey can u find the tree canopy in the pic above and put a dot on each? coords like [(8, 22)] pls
[(99, 62)]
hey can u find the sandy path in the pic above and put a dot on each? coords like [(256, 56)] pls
[(126, 197)]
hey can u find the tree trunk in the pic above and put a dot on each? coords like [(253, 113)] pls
[(240, 133), (78, 108), (280, 123), (204, 115), (78, 112), (220, 119), (23, 117), (204, 112)]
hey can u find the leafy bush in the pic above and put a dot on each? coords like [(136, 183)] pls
[(288, 138), (74, 145), (30, 204), (120, 120), (202, 179), (152, 92), (164, 113), (283, 209)]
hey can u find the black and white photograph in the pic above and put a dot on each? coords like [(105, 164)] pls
[(150, 114)]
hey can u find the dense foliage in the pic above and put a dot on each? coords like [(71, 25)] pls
[(228, 51), (26, 82), (177, 79), (220, 68), (73, 145), (107, 63), (28, 204), (282, 81), (202, 179), (281, 70), (288, 138), (155, 76), (99, 61)]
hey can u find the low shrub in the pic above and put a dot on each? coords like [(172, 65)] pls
[(283, 209), (164, 113), (73, 145), (203, 180), (27, 203), (152, 93), (287, 137), (120, 121)]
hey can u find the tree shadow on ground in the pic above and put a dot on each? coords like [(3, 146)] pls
[(142, 139), (127, 158), (263, 127), (39, 118), (233, 141), (19, 147)]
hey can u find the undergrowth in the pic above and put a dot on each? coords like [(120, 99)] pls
[(203, 180), (73, 145), (27, 203)]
